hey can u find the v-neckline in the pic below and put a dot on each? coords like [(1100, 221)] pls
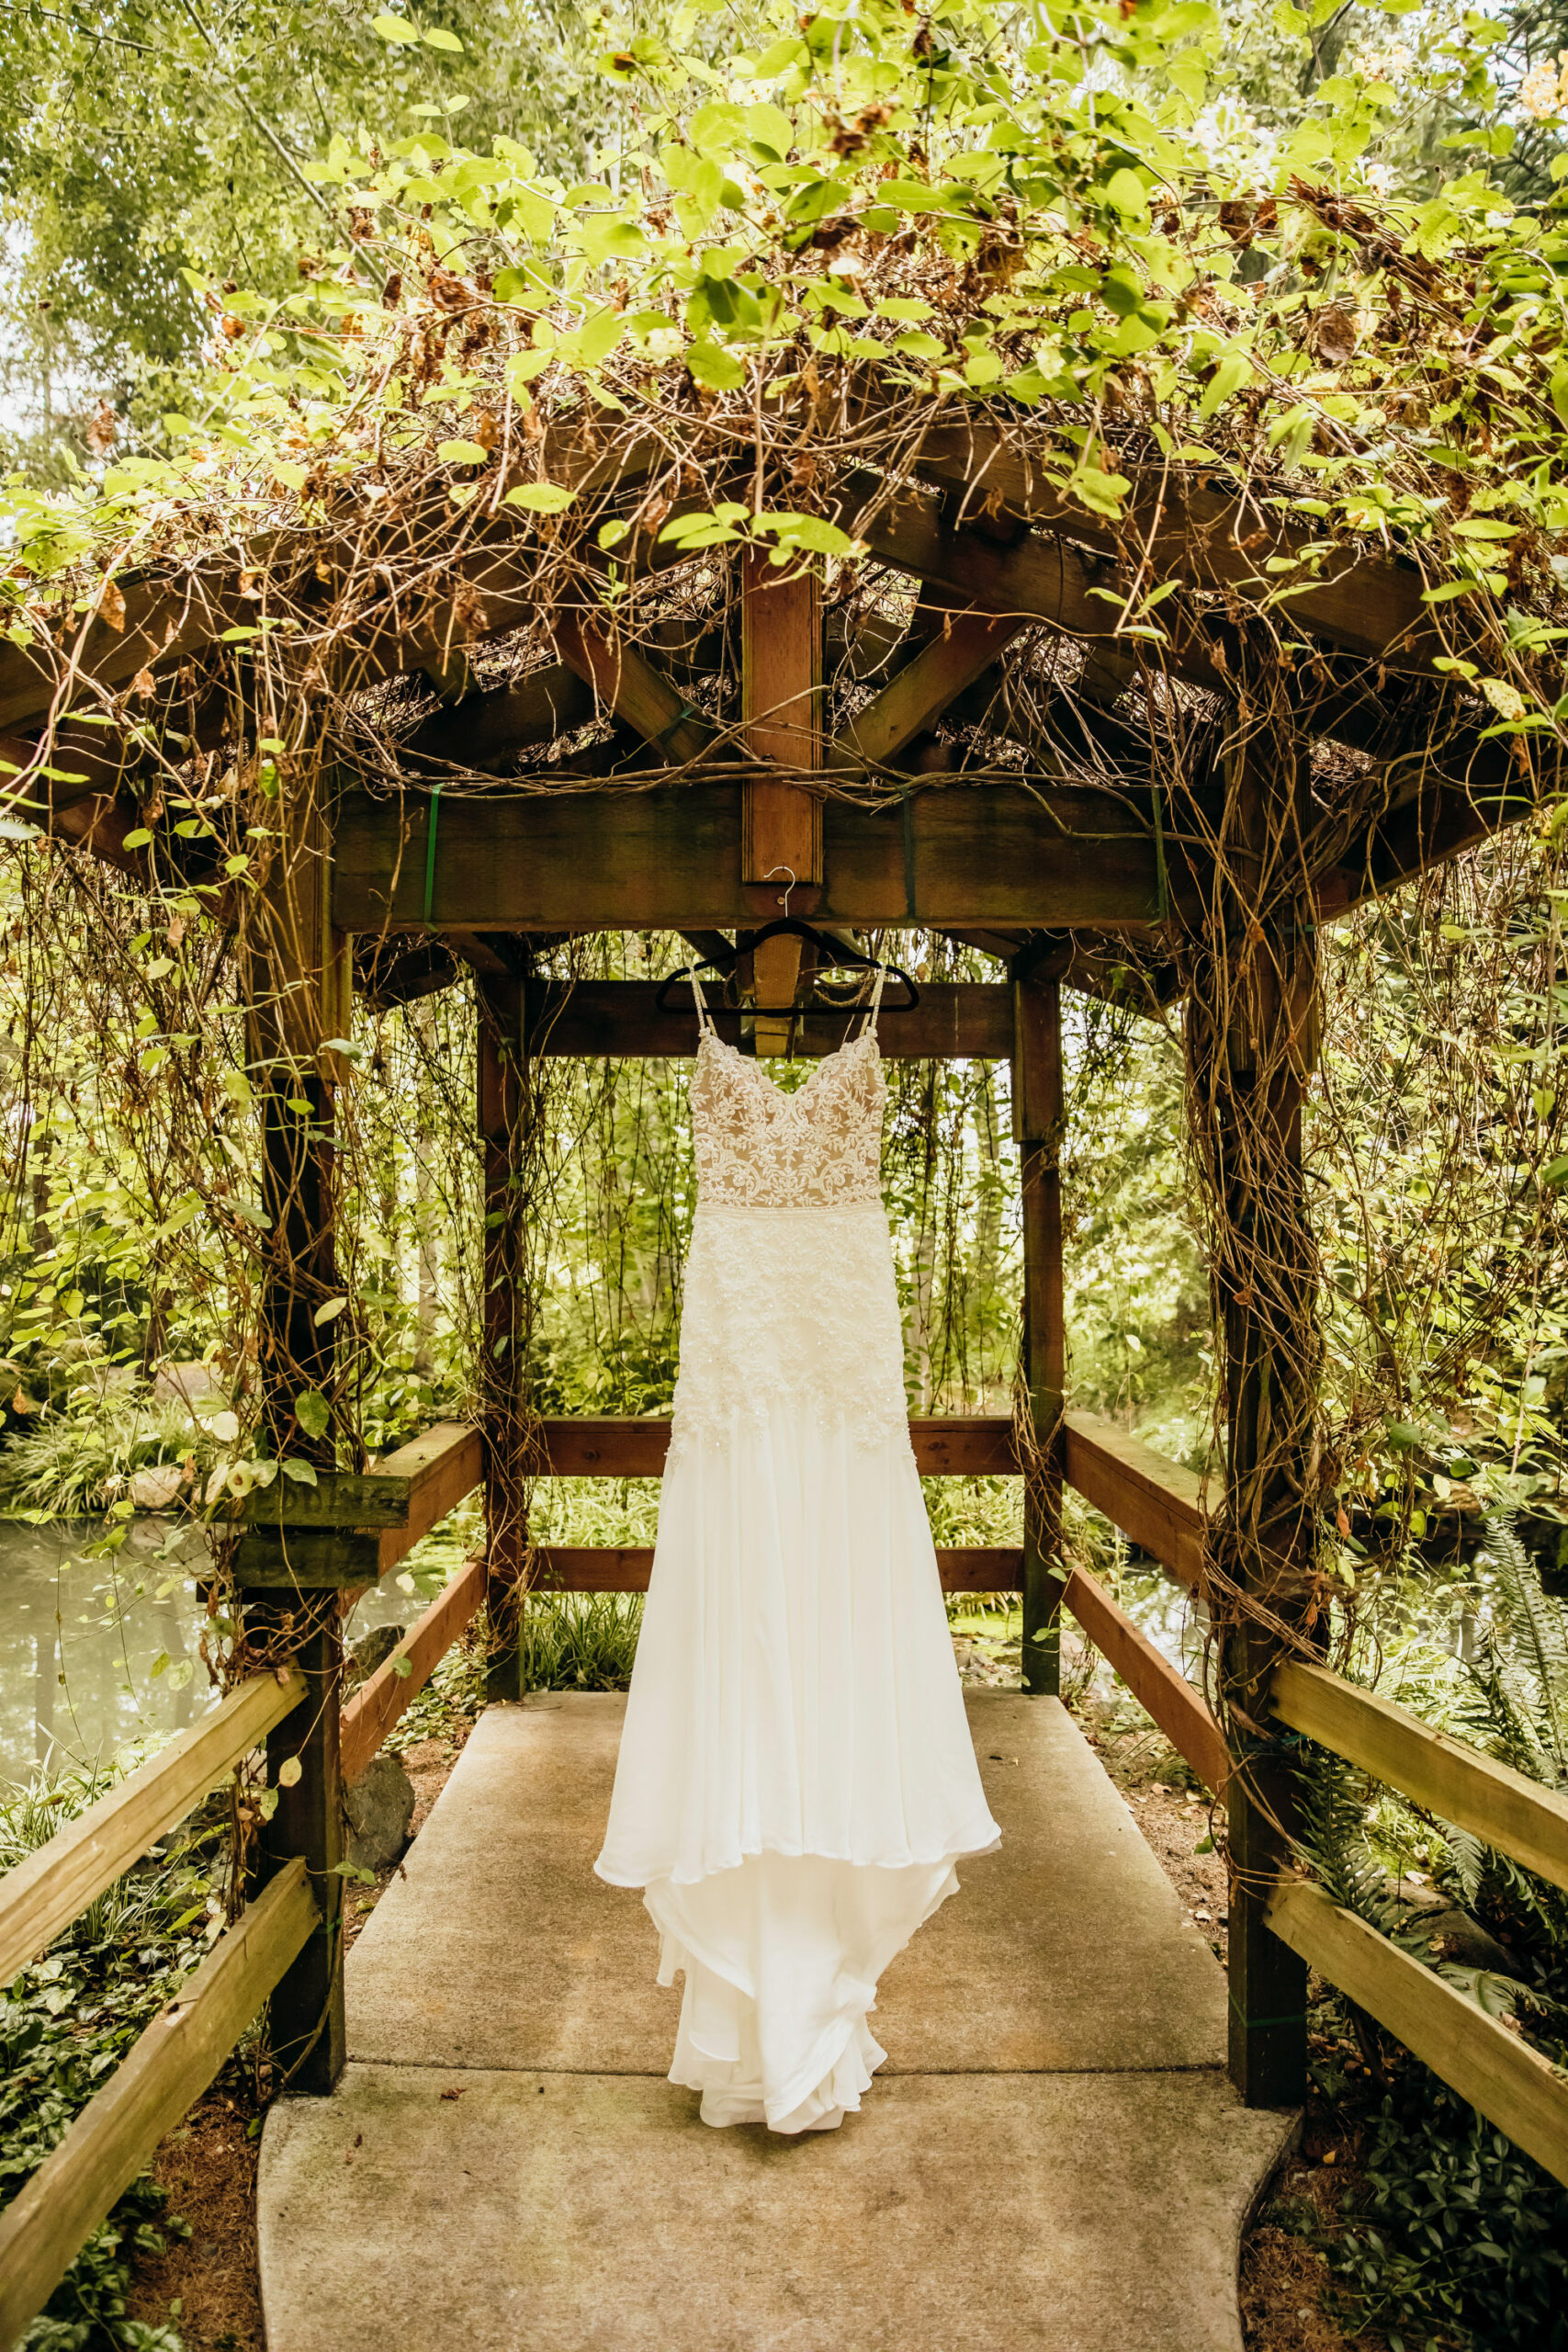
[(799, 1094)]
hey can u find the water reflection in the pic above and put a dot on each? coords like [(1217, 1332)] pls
[(75, 1690)]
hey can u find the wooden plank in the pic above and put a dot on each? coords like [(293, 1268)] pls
[(1516, 1815), (1155, 1501), (668, 859), (626, 682), (567, 1567), (486, 730), (503, 1106), (376, 1706), (442, 1467), (780, 820), (485, 565), (1029, 574), (1213, 537), (1181, 1712), (956, 1020), (915, 698), (170, 2064), (946, 1446), (40, 1896), (308, 2031), (1515, 2088), (1039, 1115)]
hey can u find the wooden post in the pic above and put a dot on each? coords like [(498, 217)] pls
[(1251, 1036), (1037, 1115), (501, 1110), (300, 983), (781, 822)]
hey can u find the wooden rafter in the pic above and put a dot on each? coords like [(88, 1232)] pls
[(922, 691), (625, 681)]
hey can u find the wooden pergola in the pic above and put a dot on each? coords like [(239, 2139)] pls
[(672, 821)]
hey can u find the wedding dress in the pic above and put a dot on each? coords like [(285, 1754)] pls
[(795, 1777)]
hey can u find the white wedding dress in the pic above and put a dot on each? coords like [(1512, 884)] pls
[(795, 1777)]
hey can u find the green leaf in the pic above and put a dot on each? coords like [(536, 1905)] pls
[(313, 1413), (289, 1772), (140, 839), (540, 497), (401, 1667), (1555, 1172), (715, 368), (461, 453), (395, 29), (437, 37), (303, 1473), (328, 1311)]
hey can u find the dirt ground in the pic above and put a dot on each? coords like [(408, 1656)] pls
[(207, 2287)]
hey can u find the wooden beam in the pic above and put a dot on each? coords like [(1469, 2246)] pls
[(626, 682), (1506, 1809), (42, 1895), (486, 730), (1038, 1116), (1155, 1502), (504, 1108), (962, 1019), (1209, 535), (781, 820), (368, 1715), (486, 564), (170, 2064), (1160, 1689), (922, 690), (1515, 2088), (668, 859), (574, 1567), (946, 1446)]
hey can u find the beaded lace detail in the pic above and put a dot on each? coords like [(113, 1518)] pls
[(789, 1297)]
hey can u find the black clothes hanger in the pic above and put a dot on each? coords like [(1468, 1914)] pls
[(836, 955)]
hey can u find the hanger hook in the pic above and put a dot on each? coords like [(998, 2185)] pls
[(768, 876)]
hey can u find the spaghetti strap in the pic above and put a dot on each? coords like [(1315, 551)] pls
[(705, 1018), (876, 1002)]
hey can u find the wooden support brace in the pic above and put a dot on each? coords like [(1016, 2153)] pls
[(781, 822), (627, 682), (1038, 1112), (503, 1108)]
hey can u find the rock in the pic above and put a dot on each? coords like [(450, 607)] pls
[(1449, 1931), (182, 1384), (380, 1808), (156, 1488), (371, 1651)]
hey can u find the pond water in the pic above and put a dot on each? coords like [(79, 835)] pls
[(77, 1680)]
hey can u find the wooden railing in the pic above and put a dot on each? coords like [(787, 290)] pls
[(347, 1531)]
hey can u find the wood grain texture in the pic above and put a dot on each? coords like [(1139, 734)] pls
[(668, 859), (1153, 1500), (915, 698), (171, 2065), (1516, 1815), (568, 1568), (1514, 2087), (376, 1706), (42, 1895), (626, 682), (946, 1445), (956, 1020), (1181, 1712)]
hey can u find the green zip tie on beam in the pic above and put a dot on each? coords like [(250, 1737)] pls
[(429, 851), (684, 712)]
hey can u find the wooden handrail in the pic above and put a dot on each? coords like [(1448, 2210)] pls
[(1511, 2083), (1164, 1692), (1155, 1501), (352, 1529), (41, 1895), (625, 1567), (372, 1711), (1516, 1815), (171, 2065)]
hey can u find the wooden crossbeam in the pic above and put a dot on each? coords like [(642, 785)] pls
[(962, 1019), (669, 859), (1211, 536), (628, 1567), (922, 690), (487, 729), (627, 682)]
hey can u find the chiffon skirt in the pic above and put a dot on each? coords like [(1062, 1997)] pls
[(795, 1777)]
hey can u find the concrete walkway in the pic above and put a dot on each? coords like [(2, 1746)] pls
[(1052, 2157)]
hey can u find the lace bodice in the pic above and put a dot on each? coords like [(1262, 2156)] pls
[(758, 1147), (789, 1294)]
